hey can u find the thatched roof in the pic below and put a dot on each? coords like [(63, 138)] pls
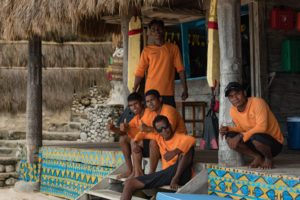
[(57, 19)]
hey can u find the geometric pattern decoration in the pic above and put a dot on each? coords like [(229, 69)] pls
[(68, 172), (29, 172), (243, 184)]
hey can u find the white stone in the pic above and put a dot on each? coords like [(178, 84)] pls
[(83, 136), (10, 181), (9, 168), (2, 168)]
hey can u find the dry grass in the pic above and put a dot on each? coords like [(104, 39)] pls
[(59, 86), (88, 55), (60, 20)]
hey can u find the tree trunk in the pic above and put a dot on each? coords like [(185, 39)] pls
[(230, 69), (34, 100), (124, 29)]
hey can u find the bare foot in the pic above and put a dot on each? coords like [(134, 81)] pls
[(124, 175), (256, 162), (267, 164)]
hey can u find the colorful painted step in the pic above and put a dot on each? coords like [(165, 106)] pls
[(238, 183), (178, 196)]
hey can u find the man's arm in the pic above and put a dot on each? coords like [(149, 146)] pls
[(182, 77), (111, 127), (137, 82), (184, 162)]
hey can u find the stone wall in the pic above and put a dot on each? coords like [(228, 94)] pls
[(97, 114)]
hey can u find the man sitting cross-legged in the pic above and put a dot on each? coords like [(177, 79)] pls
[(155, 107), (257, 133), (127, 131), (176, 150)]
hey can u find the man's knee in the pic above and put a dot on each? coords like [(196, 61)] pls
[(124, 139), (153, 146), (133, 184)]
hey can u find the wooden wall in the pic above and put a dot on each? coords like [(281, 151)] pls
[(284, 91)]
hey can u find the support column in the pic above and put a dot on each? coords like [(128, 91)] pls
[(124, 29), (230, 69), (34, 100)]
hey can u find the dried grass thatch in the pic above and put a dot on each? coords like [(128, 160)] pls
[(59, 86), (75, 54), (57, 19)]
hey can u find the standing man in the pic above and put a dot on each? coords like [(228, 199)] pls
[(161, 59), (257, 133)]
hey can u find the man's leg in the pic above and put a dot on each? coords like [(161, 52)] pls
[(267, 146), (137, 160), (243, 148), (154, 156), (126, 149), (131, 185)]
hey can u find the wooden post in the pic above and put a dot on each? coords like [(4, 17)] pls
[(230, 68), (124, 29), (34, 100)]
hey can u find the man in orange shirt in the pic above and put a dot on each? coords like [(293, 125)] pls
[(127, 131), (161, 59), (156, 107), (257, 133), (176, 150)]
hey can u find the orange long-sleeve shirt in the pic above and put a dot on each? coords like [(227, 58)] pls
[(256, 118), (134, 126), (178, 141), (161, 62)]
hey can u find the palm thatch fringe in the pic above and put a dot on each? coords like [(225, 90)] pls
[(59, 86), (87, 55)]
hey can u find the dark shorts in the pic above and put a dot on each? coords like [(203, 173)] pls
[(164, 177), (170, 100), (266, 139), (146, 148)]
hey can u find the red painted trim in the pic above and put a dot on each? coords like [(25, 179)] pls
[(212, 25), (134, 32)]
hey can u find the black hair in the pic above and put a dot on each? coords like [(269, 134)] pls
[(135, 96), (233, 86), (153, 92), (158, 22), (159, 118)]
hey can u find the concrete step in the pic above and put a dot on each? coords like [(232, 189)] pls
[(8, 160), (66, 136), (4, 151), (12, 135), (65, 127), (108, 194), (76, 117), (12, 143), (7, 175)]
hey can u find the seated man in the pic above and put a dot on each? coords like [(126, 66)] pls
[(128, 131), (257, 133), (156, 107), (176, 150)]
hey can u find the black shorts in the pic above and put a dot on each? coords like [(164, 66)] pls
[(164, 177), (170, 100), (266, 139)]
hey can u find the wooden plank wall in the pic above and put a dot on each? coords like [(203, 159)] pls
[(284, 92)]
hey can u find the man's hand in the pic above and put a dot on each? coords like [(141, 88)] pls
[(110, 126), (233, 142), (136, 148), (144, 128), (223, 131), (124, 126), (170, 154), (184, 95), (174, 183)]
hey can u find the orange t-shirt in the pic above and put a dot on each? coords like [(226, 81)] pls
[(178, 141), (171, 113), (134, 126), (161, 62), (256, 118)]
